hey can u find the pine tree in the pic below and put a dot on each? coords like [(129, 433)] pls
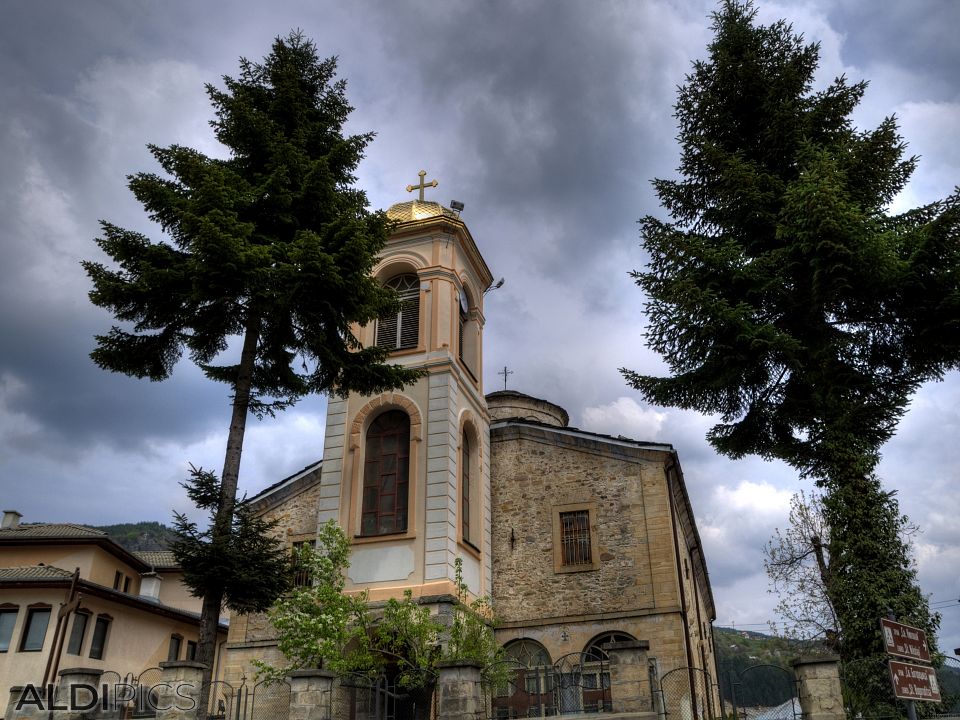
[(272, 245), (788, 300)]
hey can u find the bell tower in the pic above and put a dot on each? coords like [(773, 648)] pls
[(407, 473)]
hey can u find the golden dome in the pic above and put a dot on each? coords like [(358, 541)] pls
[(418, 210)]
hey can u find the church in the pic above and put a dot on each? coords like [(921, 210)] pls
[(585, 543)]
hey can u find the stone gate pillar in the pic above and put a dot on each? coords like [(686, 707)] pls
[(821, 697), (629, 678), (178, 692), (311, 694), (77, 695), (459, 695)]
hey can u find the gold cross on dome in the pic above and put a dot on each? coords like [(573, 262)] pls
[(422, 185)]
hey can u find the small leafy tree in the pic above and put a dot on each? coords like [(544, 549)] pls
[(319, 625), (322, 626), (471, 630)]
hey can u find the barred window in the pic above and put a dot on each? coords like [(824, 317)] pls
[(575, 538), (301, 572), (402, 330), (575, 545)]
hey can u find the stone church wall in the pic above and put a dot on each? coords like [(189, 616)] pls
[(537, 470)]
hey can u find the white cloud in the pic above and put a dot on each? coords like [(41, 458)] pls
[(624, 416)]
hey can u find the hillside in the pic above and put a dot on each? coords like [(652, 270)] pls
[(140, 536), (744, 658)]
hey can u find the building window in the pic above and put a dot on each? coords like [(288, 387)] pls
[(386, 475), (173, 653), (99, 642), (575, 537), (35, 630), (8, 618), (126, 584), (465, 487), (301, 571), (191, 650), (117, 580), (402, 330), (77, 633), (532, 689)]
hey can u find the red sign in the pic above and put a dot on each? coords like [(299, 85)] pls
[(914, 682), (905, 641)]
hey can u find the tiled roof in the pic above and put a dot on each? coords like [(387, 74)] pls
[(158, 558), (50, 530), (33, 572)]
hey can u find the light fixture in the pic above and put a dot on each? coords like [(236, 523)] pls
[(498, 285), (456, 205)]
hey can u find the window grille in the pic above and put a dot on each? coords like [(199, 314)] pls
[(402, 330), (575, 538), (301, 572)]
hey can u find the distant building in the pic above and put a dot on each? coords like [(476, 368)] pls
[(581, 539), (129, 611)]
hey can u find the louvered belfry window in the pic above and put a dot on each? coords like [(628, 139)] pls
[(386, 475), (402, 330), (575, 537)]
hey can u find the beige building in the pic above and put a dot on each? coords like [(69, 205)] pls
[(72, 597), (580, 539)]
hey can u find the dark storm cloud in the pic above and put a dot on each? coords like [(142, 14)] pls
[(545, 101), (549, 119)]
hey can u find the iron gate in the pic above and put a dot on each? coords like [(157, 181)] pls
[(576, 683), (766, 692), (265, 700)]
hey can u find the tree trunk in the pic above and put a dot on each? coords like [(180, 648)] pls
[(223, 522)]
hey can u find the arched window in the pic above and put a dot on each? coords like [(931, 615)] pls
[(386, 475), (527, 653), (403, 329), (530, 693), (465, 487), (594, 651)]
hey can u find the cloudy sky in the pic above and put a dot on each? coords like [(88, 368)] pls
[(547, 119)]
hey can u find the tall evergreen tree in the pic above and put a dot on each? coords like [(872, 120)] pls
[(272, 245), (788, 300)]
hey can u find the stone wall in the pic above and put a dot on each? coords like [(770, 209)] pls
[(634, 586)]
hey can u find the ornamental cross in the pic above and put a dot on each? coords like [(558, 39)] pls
[(422, 185), (505, 374)]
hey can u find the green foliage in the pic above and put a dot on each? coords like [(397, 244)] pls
[(318, 625), (321, 626), (787, 300), (409, 636), (273, 238), (272, 245), (247, 565), (471, 634)]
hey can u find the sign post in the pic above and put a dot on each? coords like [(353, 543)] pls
[(914, 680)]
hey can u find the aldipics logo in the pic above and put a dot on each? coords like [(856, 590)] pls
[(83, 697)]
